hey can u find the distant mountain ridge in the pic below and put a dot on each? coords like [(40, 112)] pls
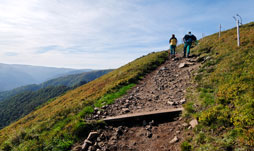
[(68, 81), (13, 75)]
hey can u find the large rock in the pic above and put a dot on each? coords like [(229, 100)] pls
[(182, 65), (174, 140), (92, 136), (86, 145), (171, 103), (163, 68), (125, 110), (185, 64), (119, 131), (148, 127), (149, 134), (96, 109), (191, 60), (185, 125), (77, 148), (91, 148), (112, 140), (104, 107), (182, 101), (189, 63), (126, 105), (193, 123), (101, 144), (178, 132)]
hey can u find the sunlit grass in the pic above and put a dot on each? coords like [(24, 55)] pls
[(109, 98), (226, 91)]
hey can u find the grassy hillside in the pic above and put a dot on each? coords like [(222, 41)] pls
[(57, 125), (223, 101)]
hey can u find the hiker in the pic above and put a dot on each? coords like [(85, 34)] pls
[(173, 42), (188, 39)]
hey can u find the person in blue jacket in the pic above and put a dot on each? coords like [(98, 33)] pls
[(188, 39)]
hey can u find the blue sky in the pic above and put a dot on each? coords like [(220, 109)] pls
[(101, 34)]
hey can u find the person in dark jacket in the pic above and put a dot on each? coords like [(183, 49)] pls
[(188, 39), (173, 43)]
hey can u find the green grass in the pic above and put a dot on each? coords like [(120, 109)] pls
[(224, 97), (185, 146), (87, 110), (110, 98)]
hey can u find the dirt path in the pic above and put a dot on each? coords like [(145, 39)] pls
[(162, 89)]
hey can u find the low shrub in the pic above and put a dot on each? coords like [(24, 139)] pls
[(185, 146), (217, 116)]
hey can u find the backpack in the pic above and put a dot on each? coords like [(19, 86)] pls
[(173, 41), (186, 38), (193, 38), (190, 38)]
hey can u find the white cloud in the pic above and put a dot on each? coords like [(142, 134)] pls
[(101, 33)]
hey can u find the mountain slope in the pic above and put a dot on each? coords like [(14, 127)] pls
[(223, 100), (23, 103), (55, 126), (26, 99), (69, 81), (12, 76), (75, 79)]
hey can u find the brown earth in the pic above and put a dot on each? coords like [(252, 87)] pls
[(164, 88)]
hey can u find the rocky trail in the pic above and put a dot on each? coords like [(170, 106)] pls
[(162, 89)]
